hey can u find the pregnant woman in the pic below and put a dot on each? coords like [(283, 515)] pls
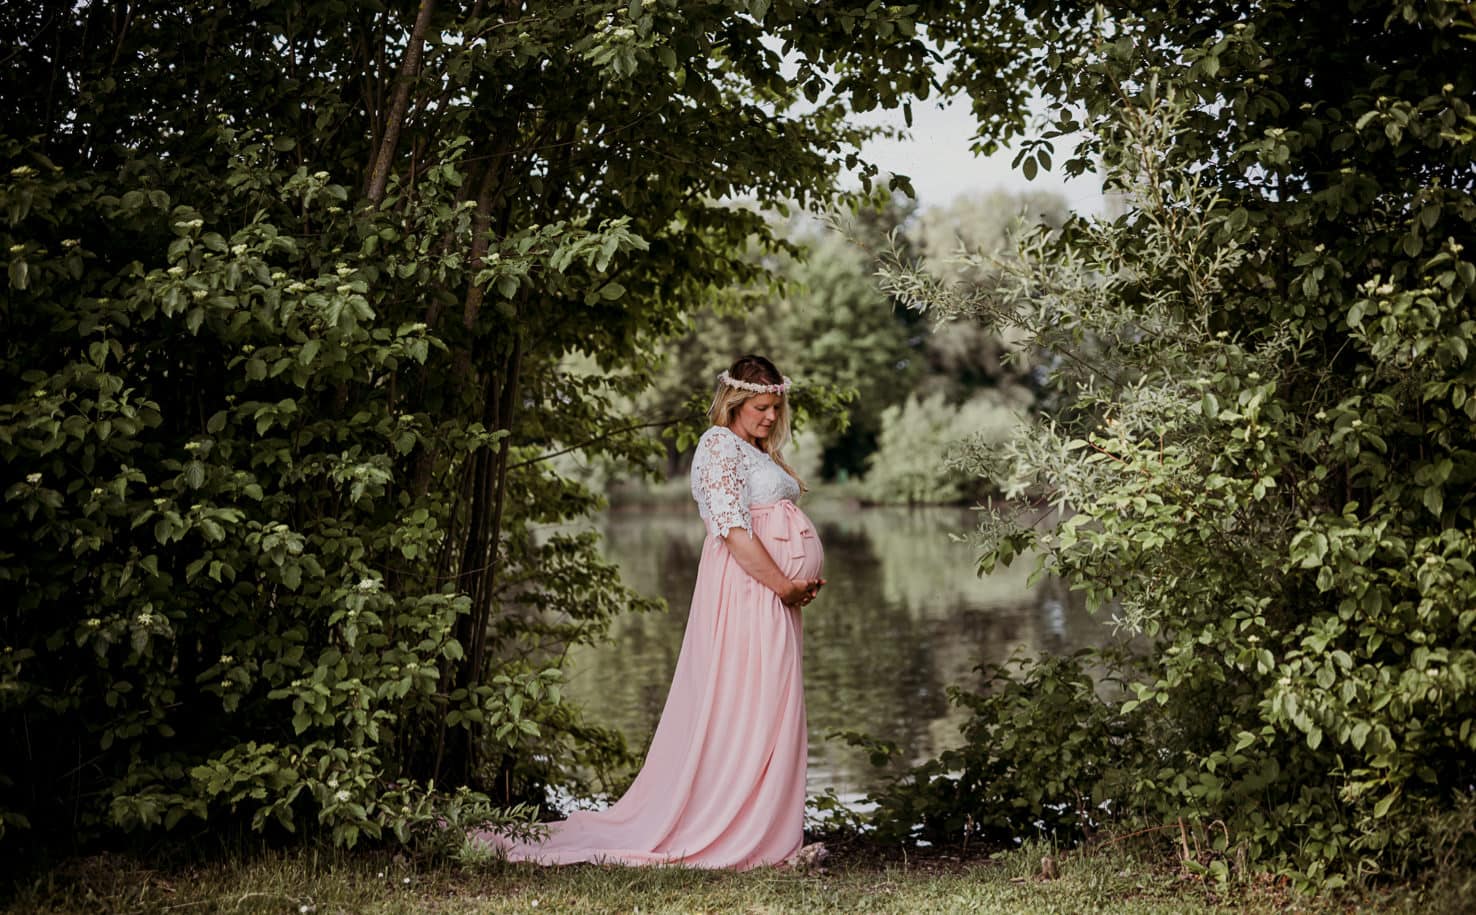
[(724, 782)]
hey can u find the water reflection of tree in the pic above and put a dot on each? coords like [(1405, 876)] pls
[(624, 683), (904, 617), (932, 574), (870, 664)]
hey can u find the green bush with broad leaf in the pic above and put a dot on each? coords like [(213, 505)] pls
[(1043, 755), (252, 617), (291, 294), (1264, 448)]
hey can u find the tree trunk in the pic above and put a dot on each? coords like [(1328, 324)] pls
[(409, 69)]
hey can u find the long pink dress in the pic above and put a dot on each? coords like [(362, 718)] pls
[(723, 784)]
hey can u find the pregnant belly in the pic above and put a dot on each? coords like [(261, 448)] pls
[(789, 536)]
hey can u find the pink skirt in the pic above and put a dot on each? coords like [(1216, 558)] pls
[(723, 784)]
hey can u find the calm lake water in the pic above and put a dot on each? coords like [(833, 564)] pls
[(903, 617)]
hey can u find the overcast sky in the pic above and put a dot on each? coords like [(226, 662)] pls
[(937, 158)]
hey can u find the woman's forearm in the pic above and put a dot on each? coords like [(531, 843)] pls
[(756, 561)]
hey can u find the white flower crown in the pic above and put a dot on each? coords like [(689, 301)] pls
[(730, 381)]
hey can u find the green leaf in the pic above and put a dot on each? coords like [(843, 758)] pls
[(1434, 498), (1309, 548), (1381, 808), (1209, 405)]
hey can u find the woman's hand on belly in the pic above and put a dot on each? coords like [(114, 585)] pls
[(807, 589)]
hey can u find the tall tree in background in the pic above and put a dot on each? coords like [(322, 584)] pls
[(960, 243), (818, 314), (819, 310), (289, 284)]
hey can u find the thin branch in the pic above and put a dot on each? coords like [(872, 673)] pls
[(600, 438)]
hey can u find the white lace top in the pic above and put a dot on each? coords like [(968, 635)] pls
[(729, 475)]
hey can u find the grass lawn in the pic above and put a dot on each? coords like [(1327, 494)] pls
[(306, 881)]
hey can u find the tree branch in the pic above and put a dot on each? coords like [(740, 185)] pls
[(409, 70), (599, 438)]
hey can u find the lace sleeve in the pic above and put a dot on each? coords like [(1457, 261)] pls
[(717, 482)]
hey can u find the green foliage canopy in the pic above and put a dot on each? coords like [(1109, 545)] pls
[(289, 286), (1266, 455)]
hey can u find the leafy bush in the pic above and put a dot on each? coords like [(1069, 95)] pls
[(225, 590), (1266, 446), (1042, 754), (286, 312)]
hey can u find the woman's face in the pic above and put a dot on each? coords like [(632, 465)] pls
[(756, 416)]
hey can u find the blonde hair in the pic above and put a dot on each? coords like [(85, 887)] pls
[(727, 399)]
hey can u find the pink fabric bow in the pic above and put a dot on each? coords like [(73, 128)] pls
[(790, 526), (795, 525)]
